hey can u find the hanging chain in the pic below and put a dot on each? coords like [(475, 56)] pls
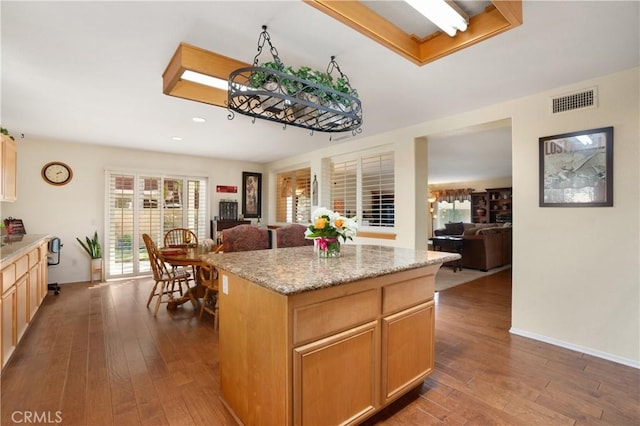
[(334, 65), (264, 36)]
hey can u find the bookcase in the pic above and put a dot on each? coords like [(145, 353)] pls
[(495, 205), (500, 205)]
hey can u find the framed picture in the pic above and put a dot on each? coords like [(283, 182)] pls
[(251, 194), (576, 169)]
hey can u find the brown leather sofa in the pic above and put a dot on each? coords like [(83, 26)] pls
[(484, 246)]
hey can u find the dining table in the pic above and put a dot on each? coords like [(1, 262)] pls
[(187, 255)]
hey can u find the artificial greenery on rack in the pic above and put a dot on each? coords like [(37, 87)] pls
[(293, 87), (6, 132)]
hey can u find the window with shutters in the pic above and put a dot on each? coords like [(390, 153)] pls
[(142, 204), (378, 190), (344, 188), (293, 196), (365, 187)]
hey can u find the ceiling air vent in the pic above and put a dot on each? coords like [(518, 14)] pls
[(584, 99)]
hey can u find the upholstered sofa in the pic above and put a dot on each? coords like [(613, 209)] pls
[(484, 246)]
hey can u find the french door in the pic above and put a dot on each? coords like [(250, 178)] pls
[(146, 204)]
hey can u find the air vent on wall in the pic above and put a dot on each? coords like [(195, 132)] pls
[(584, 99)]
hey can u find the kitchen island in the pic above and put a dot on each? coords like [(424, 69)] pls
[(23, 279), (305, 340)]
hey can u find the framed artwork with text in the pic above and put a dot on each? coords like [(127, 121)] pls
[(576, 169)]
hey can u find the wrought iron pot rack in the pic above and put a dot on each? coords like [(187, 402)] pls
[(288, 99)]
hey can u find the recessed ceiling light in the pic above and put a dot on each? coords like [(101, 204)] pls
[(176, 138), (198, 120)]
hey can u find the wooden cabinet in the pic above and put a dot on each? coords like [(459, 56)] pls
[(8, 174), (408, 347), (8, 324), (335, 378), (23, 279), (335, 355), (22, 306), (500, 205)]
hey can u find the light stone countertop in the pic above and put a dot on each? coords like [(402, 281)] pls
[(295, 270), (14, 246)]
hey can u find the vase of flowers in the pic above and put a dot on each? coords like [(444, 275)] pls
[(326, 229)]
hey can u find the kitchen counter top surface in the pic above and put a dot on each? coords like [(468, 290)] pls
[(295, 270), (16, 245)]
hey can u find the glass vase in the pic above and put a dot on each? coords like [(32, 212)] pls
[(327, 247)]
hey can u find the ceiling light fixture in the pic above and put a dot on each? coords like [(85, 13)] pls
[(445, 14), (199, 75), (198, 120), (302, 98), (497, 18), (207, 80)]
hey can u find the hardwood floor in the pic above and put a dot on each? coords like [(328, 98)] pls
[(95, 355)]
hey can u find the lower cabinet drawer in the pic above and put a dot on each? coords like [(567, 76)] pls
[(404, 294), (321, 319), (34, 258), (22, 266), (8, 277)]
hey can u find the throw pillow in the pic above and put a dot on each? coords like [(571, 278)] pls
[(455, 228)]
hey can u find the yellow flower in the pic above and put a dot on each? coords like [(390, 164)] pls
[(320, 223), (339, 222)]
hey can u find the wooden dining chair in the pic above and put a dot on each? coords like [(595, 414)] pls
[(177, 237), (180, 236), (168, 281), (209, 279), (292, 235)]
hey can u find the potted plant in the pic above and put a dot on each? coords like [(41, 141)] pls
[(93, 249)]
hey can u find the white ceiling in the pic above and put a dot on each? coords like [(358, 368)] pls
[(91, 72)]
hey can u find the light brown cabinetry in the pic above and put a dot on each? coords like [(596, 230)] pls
[(334, 355), (8, 323), (8, 162), (23, 279)]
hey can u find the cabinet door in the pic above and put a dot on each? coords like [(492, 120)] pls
[(22, 306), (34, 290), (8, 161), (44, 273), (334, 379), (8, 322), (407, 349)]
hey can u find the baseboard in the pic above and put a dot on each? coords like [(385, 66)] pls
[(577, 348)]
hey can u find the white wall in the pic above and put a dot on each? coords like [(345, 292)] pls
[(576, 271), (78, 208)]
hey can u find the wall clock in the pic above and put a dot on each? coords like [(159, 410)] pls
[(57, 173)]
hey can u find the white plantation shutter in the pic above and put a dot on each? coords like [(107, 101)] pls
[(196, 207), (142, 204), (378, 189), (303, 196), (293, 196), (121, 224), (149, 216), (344, 181)]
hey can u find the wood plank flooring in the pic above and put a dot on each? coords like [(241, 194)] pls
[(94, 355)]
